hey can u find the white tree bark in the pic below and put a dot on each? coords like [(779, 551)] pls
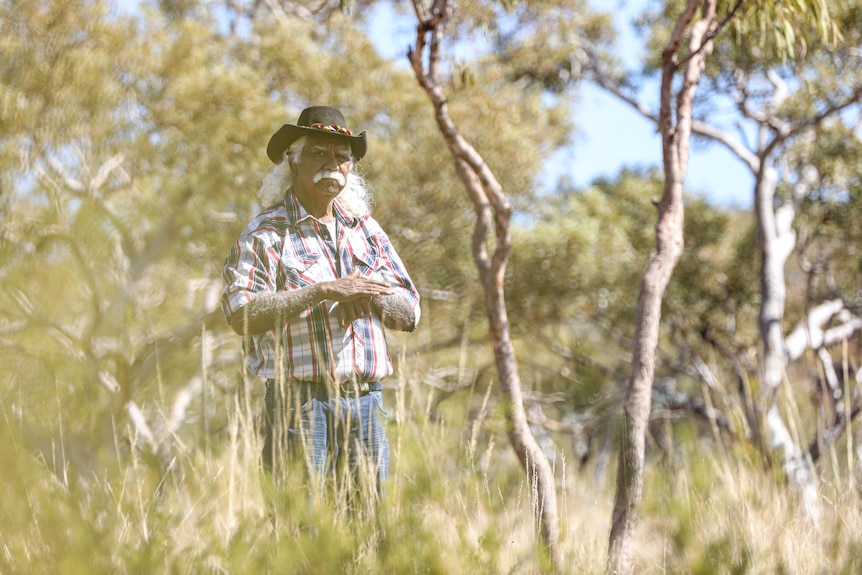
[(777, 242), (814, 331)]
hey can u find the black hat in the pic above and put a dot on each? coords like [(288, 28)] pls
[(314, 120)]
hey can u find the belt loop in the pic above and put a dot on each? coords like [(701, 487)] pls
[(321, 390)]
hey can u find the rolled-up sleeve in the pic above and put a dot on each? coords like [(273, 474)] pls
[(394, 272), (247, 272)]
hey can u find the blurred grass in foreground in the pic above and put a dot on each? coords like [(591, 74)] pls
[(457, 503)]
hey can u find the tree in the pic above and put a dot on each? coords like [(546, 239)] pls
[(789, 103), (786, 103), (117, 150), (697, 22), (134, 151), (492, 209)]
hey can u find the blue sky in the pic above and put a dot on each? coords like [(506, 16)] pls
[(613, 135), (610, 134)]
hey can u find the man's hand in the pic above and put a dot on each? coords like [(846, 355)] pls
[(353, 294), (349, 311)]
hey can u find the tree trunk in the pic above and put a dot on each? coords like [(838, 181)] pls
[(777, 240), (675, 134), (492, 208)]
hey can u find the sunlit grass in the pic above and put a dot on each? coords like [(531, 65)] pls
[(710, 514), (457, 502)]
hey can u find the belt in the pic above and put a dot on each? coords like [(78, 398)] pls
[(347, 388)]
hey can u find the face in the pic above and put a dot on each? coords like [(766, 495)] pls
[(321, 172)]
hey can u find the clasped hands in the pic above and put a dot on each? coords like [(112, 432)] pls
[(354, 294)]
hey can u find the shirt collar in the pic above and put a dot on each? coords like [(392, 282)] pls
[(296, 212)]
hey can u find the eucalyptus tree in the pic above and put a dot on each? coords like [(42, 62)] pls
[(113, 151), (791, 106), (786, 104), (696, 22), (436, 22), (132, 148), (492, 210)]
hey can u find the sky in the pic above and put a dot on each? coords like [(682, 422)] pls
[(610, 134), (613, 136)]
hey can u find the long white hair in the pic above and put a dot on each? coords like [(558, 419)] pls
[(356, 197)]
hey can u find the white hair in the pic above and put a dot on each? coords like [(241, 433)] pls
[(356, 197)]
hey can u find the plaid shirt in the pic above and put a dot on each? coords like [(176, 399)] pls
[(282, 249)]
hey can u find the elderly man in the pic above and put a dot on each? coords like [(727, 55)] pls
[(311, 284)]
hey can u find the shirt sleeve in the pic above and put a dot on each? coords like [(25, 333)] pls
[(248, 272), (392, 269)]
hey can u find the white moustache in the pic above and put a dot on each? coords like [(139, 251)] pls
[(331, 175)]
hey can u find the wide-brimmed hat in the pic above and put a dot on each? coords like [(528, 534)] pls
[(315, 120)]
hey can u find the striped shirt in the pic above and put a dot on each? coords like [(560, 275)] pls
[(283, 249)]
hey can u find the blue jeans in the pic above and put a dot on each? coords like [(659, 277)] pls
[(310, 423)]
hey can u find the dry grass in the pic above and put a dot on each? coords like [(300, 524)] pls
[(713, 515), (457, 502)]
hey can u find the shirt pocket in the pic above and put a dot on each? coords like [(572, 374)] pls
[(365, 257), (367, 263), (297, 269)]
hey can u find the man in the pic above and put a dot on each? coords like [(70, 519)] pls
[(311, 284)]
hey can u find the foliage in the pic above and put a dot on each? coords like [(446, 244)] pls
[(446, 511), (131, 148), (756, 31), (829, 235), (544, 42), (564, 269), (132, 153)]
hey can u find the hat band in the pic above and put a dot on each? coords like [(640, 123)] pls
[(330, 128)]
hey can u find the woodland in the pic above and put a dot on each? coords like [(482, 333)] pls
[(614, 378)]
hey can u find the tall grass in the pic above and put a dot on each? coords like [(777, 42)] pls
[(708, 516), (457, 502)]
